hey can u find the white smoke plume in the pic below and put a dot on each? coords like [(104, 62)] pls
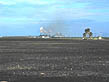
[(44, 31)]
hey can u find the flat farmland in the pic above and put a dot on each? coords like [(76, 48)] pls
[(54, 60)]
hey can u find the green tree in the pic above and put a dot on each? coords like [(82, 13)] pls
[(87, 30), (90, 34)]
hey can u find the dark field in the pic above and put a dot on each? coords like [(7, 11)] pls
[(54, 60)]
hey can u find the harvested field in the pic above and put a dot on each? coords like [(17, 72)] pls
[(54, 60)]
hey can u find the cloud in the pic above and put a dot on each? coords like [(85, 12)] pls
[(7, 3), (39, 2), (33, 2), (51, 10)]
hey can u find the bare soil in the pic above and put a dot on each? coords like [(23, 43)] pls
[(54, 60)]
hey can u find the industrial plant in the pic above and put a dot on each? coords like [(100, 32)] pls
[(47, 34), (87, 35)]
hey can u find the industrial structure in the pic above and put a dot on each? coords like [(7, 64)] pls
[(47, 34), (58, 35)]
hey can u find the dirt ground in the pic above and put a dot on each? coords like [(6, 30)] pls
[(54, 60)]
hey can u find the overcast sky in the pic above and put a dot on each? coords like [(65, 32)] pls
[(70, 17)]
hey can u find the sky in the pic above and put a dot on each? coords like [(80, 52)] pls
[(70, 17)]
